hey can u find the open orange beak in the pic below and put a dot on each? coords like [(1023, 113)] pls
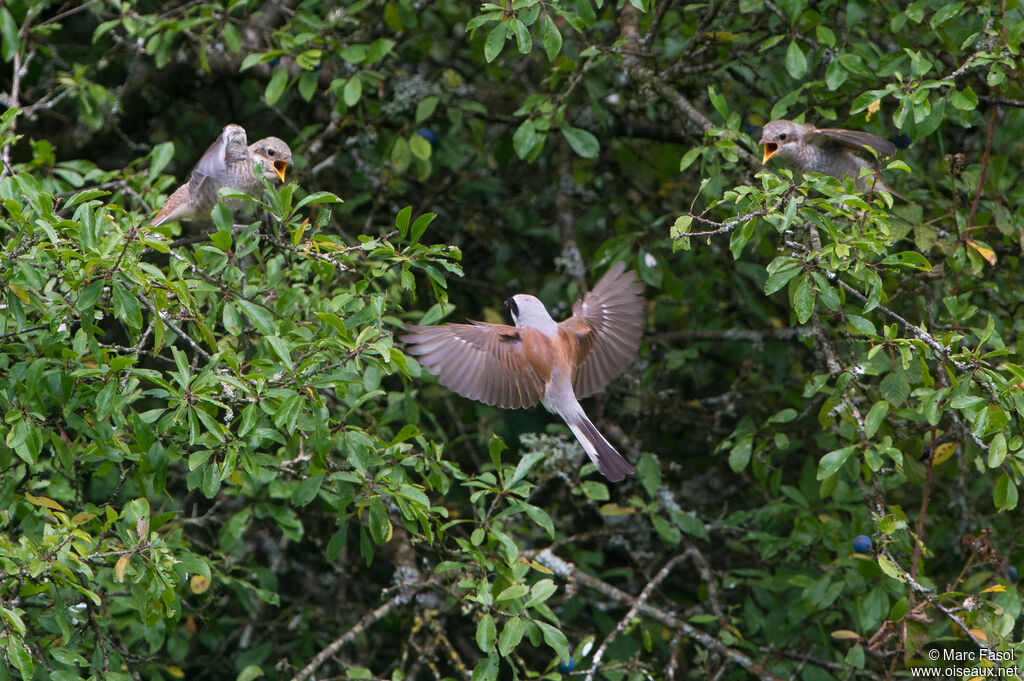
[(770, 149), (279, 168)]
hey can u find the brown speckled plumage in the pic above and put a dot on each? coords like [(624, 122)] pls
[(229, 162), (830, 151)]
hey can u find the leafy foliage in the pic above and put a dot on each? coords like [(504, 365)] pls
[(217, 461)]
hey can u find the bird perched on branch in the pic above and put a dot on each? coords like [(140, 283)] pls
[(829, 151), (540, 360), (229, 162)]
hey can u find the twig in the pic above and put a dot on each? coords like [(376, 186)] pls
[(929, 596), (726, 227), (984, 164), (567, 570), (624, 621), (401, 598)]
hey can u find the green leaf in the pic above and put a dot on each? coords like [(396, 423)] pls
[(525, 464), (250, 672), (425, 109), (402, 220), (965, 99), (275, 87), (495, 41), (796, 62), (997, 451), (161, 155), (232, 39), (379, 522), (259, 316), (581, 141), (1005, 494), (833, 461), (556, 639), (353, 91), (511, 635), (420, 147), (875, 417), (889, 567), (307, 490), (552, 38), (420, 226), (739, 455), (835, 75), (525, 138), (540, 592), (282, 351), (9, 45), (908, 259), (486, 632), (803, 299), (895, 389), (522, 34), (689, 157)]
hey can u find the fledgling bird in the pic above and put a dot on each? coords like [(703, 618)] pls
[(540, 360), (229, 162), (829, 151)]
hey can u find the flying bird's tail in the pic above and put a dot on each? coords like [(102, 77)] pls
[(608, 461)]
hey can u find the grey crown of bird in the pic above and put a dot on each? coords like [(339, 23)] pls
[(829, 151), (229, 162), (540, 360)]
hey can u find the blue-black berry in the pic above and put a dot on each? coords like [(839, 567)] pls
[(862, 543), (429, 135)]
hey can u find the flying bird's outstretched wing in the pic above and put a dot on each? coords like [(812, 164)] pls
[(481, 361), (608, 323)]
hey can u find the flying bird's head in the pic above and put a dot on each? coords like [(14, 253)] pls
[(274, 154), (781, 137), (529, 311)]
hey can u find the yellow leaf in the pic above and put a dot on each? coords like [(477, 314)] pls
[(44, 501), (998, 588), (121, 567), (979, 634), (236, 478), (984, 251), (943, 452), (873, 108), (20, 292), (199, 584), (176, 672), (845, 634), (82, 518), (615, 510), (541, 568)]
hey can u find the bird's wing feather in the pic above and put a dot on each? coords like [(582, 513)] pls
[(481, 361), (229, 148), (852, 139), (608, 323)]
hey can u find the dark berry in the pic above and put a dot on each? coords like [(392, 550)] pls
[(862, 544), (429, 135)]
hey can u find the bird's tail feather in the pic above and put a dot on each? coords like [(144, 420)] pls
[(608, 461)]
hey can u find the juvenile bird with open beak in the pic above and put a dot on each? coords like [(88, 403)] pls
[(541, 360), (229, 162), (829, 151)]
